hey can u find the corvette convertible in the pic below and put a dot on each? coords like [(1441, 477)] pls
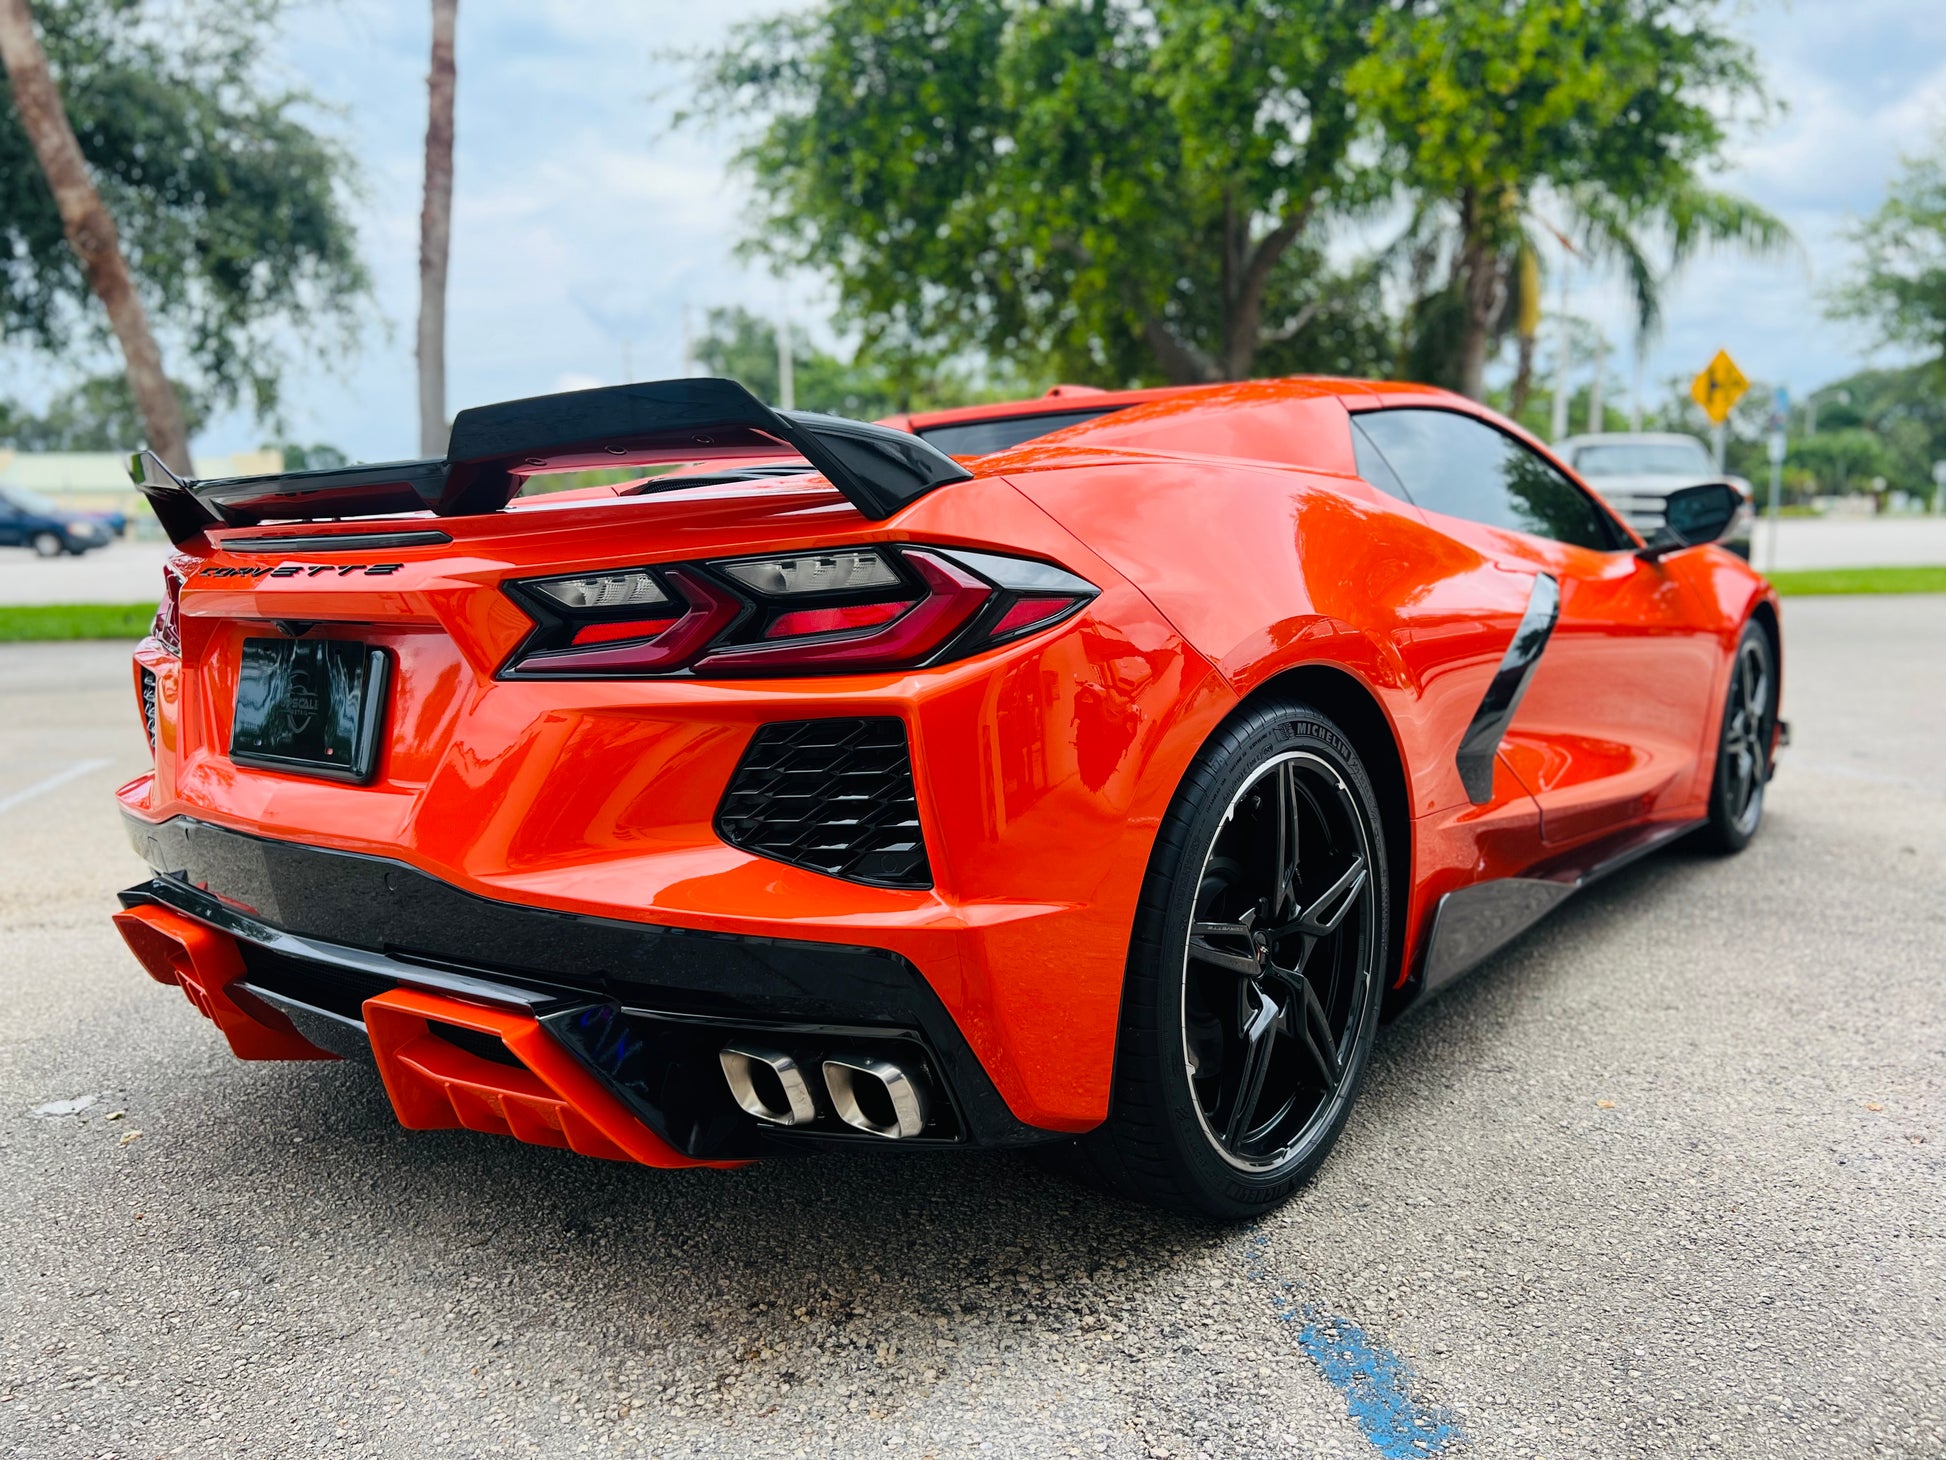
[(1101, 769)]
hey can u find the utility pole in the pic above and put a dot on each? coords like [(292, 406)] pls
[(1559, 426), (786, 373), (1635, 396), (1780, 415), (1597, 415)]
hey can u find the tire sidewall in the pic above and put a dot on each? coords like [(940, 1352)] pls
[(1723, 825), (1226, 766), (38, 543)]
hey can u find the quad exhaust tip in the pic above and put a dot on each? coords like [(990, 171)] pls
[(868, 1094), (768, 1084), (876, 1096)]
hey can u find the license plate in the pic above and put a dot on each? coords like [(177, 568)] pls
[(314, 706)]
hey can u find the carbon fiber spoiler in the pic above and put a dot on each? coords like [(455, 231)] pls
[(494, 449)]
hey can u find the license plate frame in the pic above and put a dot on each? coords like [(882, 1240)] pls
[(311, 707)]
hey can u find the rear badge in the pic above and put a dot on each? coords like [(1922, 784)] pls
[(302, 570)]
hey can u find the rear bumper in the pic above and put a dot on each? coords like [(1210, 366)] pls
[(301, 950)]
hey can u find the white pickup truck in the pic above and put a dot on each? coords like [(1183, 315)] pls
[(1636, 472)]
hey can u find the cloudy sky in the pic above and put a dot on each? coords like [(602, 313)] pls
[(583, 225)]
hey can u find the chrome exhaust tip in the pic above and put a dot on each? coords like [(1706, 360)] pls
[(876, 1096), (768, 1084)]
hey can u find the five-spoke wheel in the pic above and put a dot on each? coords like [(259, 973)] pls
[(1257, 971), (1277, 961), (1743, 751)]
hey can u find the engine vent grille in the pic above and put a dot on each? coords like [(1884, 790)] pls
[(832, 795)]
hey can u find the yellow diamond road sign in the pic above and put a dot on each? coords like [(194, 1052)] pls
[(1719, 387)]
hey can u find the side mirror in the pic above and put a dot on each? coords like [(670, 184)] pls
[(1694, 515)]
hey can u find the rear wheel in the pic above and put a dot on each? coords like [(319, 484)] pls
[(1743, 748), (1255, 974), (48, 544)]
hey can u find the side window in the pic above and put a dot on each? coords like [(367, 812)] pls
[(1373, 466), (1465, 468)]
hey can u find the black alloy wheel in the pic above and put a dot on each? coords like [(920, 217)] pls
[(1256, 974), (1743, 752)]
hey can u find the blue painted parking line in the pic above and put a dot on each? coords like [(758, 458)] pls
[(1374, 1381)]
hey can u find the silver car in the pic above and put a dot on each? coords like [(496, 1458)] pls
[(1637, 470)]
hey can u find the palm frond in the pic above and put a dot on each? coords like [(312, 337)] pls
[(1699, 218), (1607, 234)]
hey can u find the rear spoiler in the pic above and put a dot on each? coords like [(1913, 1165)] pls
[(494, 449)]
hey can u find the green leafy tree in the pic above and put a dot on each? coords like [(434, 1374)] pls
[(743, 346), (1101, 191), (1899, 287), (231, 208), (1903, 408), (1506, 121), (316, 457), (99, 414)]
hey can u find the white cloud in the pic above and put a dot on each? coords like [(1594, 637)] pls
[(584, 226)]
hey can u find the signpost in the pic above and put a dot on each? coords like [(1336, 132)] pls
[(1780, 416), (1716, 390)]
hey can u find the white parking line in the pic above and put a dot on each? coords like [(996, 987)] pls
[(42, 787)]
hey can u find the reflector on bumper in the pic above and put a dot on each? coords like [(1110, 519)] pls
[(204, 964)]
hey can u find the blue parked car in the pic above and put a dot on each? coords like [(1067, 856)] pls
[(29, 520)]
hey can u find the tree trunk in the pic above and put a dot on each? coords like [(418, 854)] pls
[(1523, 376), (91, 232), (436, 231), (1184, 362), (1483, 292), (1243, 329)]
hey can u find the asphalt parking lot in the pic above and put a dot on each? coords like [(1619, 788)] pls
[(1666, 1178)]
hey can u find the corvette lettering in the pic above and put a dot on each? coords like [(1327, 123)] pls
[(304, 570)]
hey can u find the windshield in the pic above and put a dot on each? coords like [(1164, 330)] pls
[(1643, 458), (977, 438), (28, 501)]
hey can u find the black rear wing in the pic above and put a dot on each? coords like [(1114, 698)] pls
[(494, 449)]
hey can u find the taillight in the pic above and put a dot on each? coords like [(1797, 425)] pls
[(831, 611), (166, 628)]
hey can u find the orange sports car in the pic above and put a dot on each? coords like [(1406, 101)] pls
[(1098, 769)]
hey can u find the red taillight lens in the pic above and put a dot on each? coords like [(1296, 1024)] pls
[(801, 621), (1028, 613), (167, 625), (953, 596), (843, 609)]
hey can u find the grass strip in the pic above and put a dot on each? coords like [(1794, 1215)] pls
[(52, 621), (39, 622), (1809, 581)]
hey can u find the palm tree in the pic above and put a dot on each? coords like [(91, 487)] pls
[(90, 231), (1491, 256), (436, 230)]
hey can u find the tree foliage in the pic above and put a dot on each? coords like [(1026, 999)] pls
[(1899, 288), (1595, 120), (231, 206), (98, 414), (1103, 190), (743, 347)]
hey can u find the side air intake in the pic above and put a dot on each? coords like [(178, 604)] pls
[(832, 795)]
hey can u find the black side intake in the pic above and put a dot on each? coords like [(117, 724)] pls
[(832, 795)]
